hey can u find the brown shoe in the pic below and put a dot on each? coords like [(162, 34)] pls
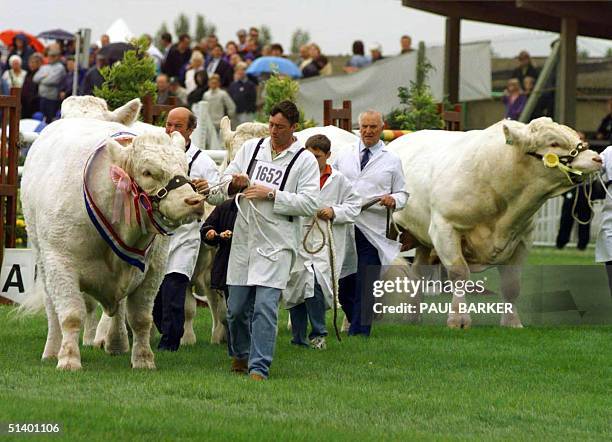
[(240, 365), (257, 377)]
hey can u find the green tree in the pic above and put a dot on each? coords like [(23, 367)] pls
[(163, 29), (419, 110), (299, 38), (181, 25), (279, 88), (609, 52), (203, 28), (131, 78), (265, 35), (583, 54)]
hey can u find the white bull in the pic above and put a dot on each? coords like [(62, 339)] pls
[(76, 266), (474, 195)]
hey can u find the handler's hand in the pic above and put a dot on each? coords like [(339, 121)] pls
[(240, 181), (210, 235), (226, 235), (387, 201), (201, 186), (325, 214), (257, 192)]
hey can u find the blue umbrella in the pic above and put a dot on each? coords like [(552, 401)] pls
[(270, 65), (56, 34)]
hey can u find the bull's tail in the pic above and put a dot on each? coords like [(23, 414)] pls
[(34, 301), (225, 129)]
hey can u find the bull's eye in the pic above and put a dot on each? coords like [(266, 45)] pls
[(146, 173)]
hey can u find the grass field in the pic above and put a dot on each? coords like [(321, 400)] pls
[(403, 383)]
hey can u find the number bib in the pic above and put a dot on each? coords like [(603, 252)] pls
[(268, 174)]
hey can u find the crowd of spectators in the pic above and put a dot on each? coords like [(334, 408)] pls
[(185, 70)]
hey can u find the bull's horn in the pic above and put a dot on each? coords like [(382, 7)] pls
[(227, 134), (128, 113)]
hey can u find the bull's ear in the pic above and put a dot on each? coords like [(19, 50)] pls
[(117, 153), (516, 136), (126, 114), (225, 129), (178, 141)]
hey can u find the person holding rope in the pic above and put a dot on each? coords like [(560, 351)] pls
[(603, 246), (376, 175), (169, 306), (310, 291), (275, 181)]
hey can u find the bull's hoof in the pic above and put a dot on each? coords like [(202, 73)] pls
[(48, 357), (218, 335), (456, 320), (117, 347), (511, 322), (189, 338), (144, 363), (98, 343), (345, 326), (69, 364)]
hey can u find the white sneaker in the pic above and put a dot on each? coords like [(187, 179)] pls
[(318, 343)]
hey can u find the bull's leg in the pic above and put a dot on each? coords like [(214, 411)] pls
[(140, 318), (91, 321), (447, 243), (102, 330), (116, 341), (54, 331), (219, 312), (67, 300), (511, 287), (189, 337)]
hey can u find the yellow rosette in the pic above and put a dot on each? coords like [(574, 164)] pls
[(550, 160)]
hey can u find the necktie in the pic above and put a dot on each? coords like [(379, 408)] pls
[(365, 158)]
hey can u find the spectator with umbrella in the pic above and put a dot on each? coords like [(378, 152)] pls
[(269, 65), (15, 75), (21, 47), (93, 77), (30, 100)]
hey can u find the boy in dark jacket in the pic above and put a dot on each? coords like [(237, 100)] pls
[(217, 231)]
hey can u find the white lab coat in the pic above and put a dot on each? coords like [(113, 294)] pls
[(603, 246), (337, 193), (185, 243), (248, 264), (381, 176)]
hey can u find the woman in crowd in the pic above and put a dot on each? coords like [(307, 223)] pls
[(15, 75), (514, 99), (220, 103), (196, 64)]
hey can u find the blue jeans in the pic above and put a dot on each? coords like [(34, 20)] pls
[(312, 308), (252, 315)]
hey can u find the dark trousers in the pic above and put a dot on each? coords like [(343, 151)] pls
[(583, 213), (609, 272), (49, 109), (354, 297), (169, 310)]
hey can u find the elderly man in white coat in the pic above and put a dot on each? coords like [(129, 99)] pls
[(375, 173), (603, 246), (310, 290), (282, 183), (169, 307)]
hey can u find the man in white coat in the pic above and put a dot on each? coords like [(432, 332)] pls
[(283, 184), (603, 247), (169, 307), (374, 172), (310, 290)]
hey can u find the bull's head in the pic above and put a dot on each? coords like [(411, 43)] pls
[(558, 147), (233, 140), (157, 163)]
